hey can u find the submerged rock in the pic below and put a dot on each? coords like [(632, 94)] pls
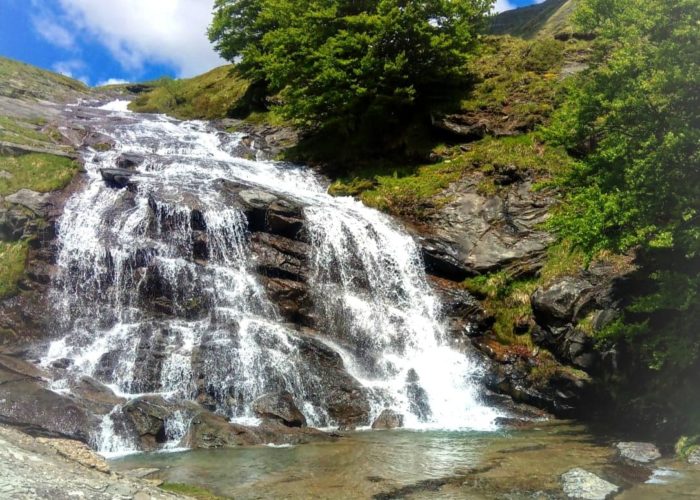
[(581, 484), (279, 407), (388, 419), (129, 161), (638, 452)]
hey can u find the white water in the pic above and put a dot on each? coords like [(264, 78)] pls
[(370, 292)]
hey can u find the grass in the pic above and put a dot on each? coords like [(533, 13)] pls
[(415, 191), (507, 298), (13, 257), (190, 491), (36, 171), (208, 96), (545, 19), (22, 80)]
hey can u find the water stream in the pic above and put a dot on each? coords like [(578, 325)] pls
[(370, 294)]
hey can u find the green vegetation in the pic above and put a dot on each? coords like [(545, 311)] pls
[(415, 191), (36, 171), (507, 297), (22, 80), (12, 260), (633, 122), (190, 491), (215, 94), (352, 69)]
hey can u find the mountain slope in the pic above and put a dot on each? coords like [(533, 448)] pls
[(549, 18), (20, 80)]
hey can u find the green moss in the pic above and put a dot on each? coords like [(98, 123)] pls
[(36, 171), (191, 491), (562, 260), (13, 257), (208, 96)]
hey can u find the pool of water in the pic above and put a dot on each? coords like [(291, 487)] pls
[(525, 463)]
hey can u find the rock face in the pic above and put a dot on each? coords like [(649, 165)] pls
[(642, 453), (581, 484), (476, 233), (116, 177), (388, 419), (39, 203), (279, 407)]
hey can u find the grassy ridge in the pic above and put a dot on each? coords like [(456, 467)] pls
[(208, 96), (20, 80), (545, 19)]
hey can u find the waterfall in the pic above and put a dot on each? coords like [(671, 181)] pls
[(142, 312)]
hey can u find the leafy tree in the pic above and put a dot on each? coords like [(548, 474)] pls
[(349, 61), (633, 119)]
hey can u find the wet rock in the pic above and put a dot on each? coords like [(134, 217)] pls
[(147, 417), (417, 397), (581, 484), (280, 407), (562, 300), (39, 203), (694, 456), (643, 453), (26, 404), (388, 419), (208, 430), (280, 257), (291, 298), (129, 161), (285, 218), (116, 177), (97, 397), (463, 311)]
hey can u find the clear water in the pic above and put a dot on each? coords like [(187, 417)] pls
[(521, 464), (370, 292)]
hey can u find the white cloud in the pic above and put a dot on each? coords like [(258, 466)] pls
[(111, 81), (53, 33), (148, 31), (502, 5), (72, 68)]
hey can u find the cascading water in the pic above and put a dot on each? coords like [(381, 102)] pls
[(211, 333)]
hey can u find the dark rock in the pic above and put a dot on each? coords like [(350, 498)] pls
[(14, 224), (562, 300), (280, 407), (291, 298), (116, 177), (637, 452), (417, 397), (280, 257), (129, 161), (388, 419), (97, 397), (285, 218), (148, 416), (256, 203), (26, 404)]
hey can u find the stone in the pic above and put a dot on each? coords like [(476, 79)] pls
[(581, 484), (97, 397), (116, 177), (280, 407), (694, 456), (560, 301), (36, 202), (4, 174), (129, 161), (388, 419), (148, 416), (280, 257), (77, 452), (638, 452)]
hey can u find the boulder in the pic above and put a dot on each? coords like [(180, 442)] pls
[(581, 484), (26, 404), (388, 419), (147, 417), (637, 452), (279, 407), (36, 202), (129, 161), (116, 177), (97, 397), (561, 301), (694, 456), (14, 224)]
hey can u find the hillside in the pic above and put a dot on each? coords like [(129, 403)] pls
[(549, 18), (20, 80)]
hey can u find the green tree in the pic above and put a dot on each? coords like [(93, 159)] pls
[(633, 119), (349, 61)]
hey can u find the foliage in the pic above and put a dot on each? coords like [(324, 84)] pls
[(416, 192), (209, 96), (350, 64), (12, 259), (633, 120), (36, 171)]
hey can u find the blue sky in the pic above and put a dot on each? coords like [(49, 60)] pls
[(104, 41)]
